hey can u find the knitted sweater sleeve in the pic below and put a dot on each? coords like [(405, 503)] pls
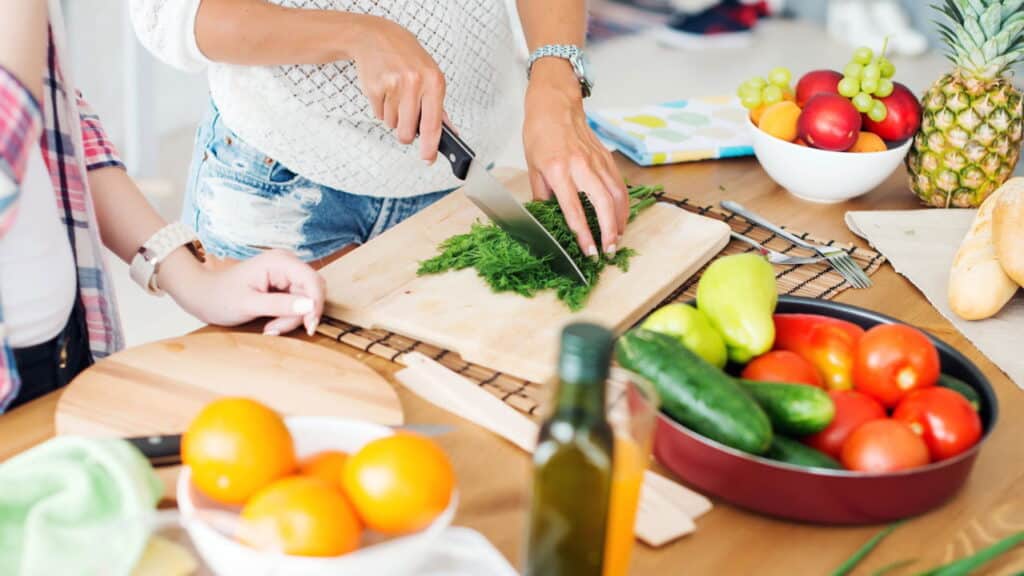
[(167, 28)]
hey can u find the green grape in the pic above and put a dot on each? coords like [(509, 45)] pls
[(757, 83), (750, 101), (746, 90), (869, 86), (885, 88), (780, 77), (886, 67), (863, 55), (853, 70), (878, 111), (771, 94), (849, 87), (863, 102), (871, 71)]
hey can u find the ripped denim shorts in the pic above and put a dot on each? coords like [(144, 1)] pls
[(241, 202)]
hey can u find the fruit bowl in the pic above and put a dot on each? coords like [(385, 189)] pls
[(821, 495), (207, 522), (821, 175)]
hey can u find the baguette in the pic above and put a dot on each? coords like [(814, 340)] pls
[(978, 285), (1008, 229)]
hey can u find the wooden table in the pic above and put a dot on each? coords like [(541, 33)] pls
[(493, 475)]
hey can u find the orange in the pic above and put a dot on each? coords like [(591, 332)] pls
[(780, 120), (755, 114), (235, 446), (302, 516), (868, 142), (400, 483), (800, 142), (326, 465)]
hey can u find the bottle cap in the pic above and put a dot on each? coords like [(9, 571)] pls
[(586, 353)]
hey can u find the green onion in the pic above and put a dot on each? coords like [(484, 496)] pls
[(965, 566), (863, 551)]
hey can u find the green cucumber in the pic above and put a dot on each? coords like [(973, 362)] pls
[(795, 409), (962, 388), (792, 452), (695, 393)]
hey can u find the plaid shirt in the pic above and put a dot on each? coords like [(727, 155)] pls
[(72, 142)]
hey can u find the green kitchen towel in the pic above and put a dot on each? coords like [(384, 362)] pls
[(75, 506)]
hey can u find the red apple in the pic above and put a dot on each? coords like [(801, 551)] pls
[(829, 122), (904, 116), (817, 82)]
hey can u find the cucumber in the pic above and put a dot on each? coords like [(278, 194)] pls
[(695, 393), (795, 409), (962, 388), (792, 452)]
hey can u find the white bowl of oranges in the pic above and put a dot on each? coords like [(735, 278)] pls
[(838, 135), (310, 495)]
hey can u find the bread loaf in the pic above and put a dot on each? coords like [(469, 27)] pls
[(1008, 229), (978, 285)]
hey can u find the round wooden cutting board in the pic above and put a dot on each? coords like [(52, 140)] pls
[(157, 388)]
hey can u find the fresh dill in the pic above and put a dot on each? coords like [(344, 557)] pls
[(508, 266)]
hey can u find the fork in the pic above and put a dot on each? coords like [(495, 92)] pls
[(835, 256), (777, 257)]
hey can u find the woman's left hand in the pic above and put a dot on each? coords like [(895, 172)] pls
[(274, 284)]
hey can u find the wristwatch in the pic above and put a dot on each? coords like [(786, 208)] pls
[(146, 263), (576, 58)]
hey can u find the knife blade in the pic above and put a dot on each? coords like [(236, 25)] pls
[(165, 449), (494, 200)]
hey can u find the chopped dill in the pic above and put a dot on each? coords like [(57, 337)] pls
[(508, 266)]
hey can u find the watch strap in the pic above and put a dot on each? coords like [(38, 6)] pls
[(146, 263), (570, 52)]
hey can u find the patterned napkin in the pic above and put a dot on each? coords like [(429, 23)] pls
[(679, 131)]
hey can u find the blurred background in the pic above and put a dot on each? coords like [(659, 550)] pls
[(151, 110)]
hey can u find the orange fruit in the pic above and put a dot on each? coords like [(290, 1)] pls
[(800, 142), (780, 120), (788, 95), (868, 142), (755, 114), (326, 465), (235, 446), (400, 483), (302, 516)]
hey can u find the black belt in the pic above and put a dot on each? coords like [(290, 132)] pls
[(49, 366)]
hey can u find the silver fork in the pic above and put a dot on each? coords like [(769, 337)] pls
[(777, 257), (836, 257)]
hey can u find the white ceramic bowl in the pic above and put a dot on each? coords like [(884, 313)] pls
[(820, 175), (226, 557)]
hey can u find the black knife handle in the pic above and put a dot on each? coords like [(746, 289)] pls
[(457, 152), (160, 450)]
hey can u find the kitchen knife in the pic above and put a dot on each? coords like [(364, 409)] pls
[(494, 200), (165, 449)]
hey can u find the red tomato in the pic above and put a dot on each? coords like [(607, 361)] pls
[(783, 366), (827, 343), (883, 446), (943, 418), (852, 410), (892, 360)]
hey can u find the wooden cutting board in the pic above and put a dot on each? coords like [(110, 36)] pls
[(157, 388), (376, 286)]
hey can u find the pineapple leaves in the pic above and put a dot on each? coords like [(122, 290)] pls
[(991, 20), (985, 37)]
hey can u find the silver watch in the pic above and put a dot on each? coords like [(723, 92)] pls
[(575, 56)]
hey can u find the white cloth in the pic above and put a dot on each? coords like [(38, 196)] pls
[(315, 120), (37, 268), (466, 552)]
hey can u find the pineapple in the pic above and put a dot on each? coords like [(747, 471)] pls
[(970, 135)]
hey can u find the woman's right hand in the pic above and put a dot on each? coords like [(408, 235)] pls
[(402, 82)]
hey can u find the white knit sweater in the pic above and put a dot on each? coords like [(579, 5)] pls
[(314, 118)]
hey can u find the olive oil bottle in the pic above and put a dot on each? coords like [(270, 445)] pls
[(573, 463)]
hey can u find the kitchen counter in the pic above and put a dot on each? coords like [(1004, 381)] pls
[(492, 474)]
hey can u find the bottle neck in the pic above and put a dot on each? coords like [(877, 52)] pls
[(580, 398)]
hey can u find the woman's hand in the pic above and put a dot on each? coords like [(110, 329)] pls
[(402, 82), (564, 156), (275, 284)]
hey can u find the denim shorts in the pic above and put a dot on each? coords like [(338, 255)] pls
[(240, 202)]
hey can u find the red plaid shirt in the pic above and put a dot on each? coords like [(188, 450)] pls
[(72, 142)]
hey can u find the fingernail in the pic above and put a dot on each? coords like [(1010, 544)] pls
[(610, 250), (592, 251), (311, 326), (271, 333), (302, 306)]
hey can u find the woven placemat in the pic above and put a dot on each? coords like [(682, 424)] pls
[(810, 280)]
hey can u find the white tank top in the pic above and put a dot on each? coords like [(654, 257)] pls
[(37, 268)]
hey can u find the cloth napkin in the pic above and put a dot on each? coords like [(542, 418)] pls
[(465, 552), (75, 506), (679, 131), (921, 245)]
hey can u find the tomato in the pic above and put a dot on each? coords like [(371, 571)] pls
[(943, 418), (881, 446), (852, 410), (829, 344), (783, 366), (892, 360)]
